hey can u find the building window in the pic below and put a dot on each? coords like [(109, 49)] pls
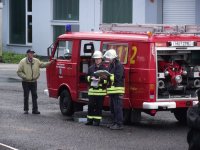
[(66, 9), (28, 21), (20, 22), (117, 11), (29, 5), (58, 30), (29, 28), (17, 22)]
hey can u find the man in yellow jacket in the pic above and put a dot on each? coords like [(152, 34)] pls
[(29, 71)]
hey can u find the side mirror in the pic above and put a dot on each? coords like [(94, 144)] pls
[(50, 50)]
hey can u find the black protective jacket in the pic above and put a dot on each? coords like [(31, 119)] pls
[(116, 80), (117, 69), (94, 68), (193, 121)]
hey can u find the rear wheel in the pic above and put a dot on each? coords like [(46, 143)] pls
[(131, 116), (181, 115), (66, 104)]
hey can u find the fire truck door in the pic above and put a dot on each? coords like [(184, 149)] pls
[(63, 70)]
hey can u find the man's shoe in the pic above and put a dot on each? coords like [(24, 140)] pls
[(116, 127), (35, 112), (89, 123), (26, 112)]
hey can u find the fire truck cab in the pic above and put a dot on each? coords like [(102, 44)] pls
[(161, 64)]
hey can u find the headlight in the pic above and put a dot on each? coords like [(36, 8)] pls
[(178, 79), (166, 73)]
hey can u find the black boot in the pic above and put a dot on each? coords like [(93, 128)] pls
[(96, 122), (89, 122), (35, 112)]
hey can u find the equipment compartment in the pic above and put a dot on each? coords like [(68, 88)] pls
[(178, 73)]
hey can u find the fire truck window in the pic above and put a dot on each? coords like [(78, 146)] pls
[(88, 47), (121, 49), (64, 50)]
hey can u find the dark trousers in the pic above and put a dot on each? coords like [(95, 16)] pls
[(27, 87), (95, 106), (193, 139), (116, 108)]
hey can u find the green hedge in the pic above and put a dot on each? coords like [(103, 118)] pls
[(14, 58), (11, 57)]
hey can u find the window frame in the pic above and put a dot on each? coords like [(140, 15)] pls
[(64, 19), (96, 43), (26, 14), (111, 21)]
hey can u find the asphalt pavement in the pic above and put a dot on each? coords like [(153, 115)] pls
[(52, 131)]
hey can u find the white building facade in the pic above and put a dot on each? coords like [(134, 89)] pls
[(36, 23)]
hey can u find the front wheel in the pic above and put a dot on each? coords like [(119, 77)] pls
[(181, 115), (66, 104)]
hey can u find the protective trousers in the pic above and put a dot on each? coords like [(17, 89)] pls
[(27, 87), (95, 106), (116, 107)]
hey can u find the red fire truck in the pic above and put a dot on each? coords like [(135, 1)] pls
[(162, 67)]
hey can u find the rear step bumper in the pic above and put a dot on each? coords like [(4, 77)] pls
[(165, 105), (195, 102)]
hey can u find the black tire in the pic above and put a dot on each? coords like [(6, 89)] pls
[(66, 104), (127, 116), (181, 115)]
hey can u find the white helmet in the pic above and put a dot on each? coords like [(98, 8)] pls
[(97, 54), (110, 54)]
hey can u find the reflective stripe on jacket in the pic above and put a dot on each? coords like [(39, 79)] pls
[(94, 117), (96, 92), (101, 88), (116, 80), (115, 90)]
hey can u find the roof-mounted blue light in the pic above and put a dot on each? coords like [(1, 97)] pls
[(68, 28)]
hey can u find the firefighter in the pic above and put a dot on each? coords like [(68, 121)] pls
[(97, 91), (115, 88), (193, 121)]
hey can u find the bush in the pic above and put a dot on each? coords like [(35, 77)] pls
[(11, 57)]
